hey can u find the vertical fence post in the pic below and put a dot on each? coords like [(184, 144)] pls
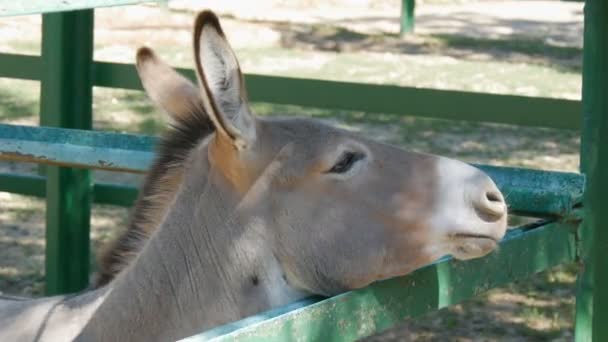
[(65, 101), (592, 287), (407, 16)]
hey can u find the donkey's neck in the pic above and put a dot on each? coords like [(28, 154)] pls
[(204, 267)]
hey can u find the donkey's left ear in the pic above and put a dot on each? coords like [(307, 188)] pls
[(220, 77)]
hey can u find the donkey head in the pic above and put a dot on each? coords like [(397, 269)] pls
[(338, 210)]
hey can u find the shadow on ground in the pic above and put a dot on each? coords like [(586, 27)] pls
[(536, 309), (513, 48)]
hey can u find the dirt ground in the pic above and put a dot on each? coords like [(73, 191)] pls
[(513, 47)]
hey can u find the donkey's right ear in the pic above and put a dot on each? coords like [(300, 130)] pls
[(169, 90)]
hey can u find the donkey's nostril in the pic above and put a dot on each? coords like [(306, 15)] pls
[(494, 196), (491, 206)]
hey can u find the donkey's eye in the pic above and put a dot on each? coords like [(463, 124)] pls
[(346, 161)]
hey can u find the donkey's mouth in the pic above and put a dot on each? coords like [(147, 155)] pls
[(469, 246), (475, 236)]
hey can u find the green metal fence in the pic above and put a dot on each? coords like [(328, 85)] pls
[(407, 16), (575, 228)]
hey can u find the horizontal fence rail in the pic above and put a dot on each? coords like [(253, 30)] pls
[(349, 316), (34, 185), (454, 105), (529, 192), (24, 67), (538, 192), (77, 148)]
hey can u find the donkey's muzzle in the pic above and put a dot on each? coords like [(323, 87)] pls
[(471, 210)]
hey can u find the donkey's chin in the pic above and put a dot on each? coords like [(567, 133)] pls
[(467, 247)]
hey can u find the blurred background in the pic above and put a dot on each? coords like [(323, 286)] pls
[(531, 48)]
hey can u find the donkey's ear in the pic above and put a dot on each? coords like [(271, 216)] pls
[(220, 78), (166, 88)]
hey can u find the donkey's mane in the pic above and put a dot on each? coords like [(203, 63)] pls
[(182, 135)]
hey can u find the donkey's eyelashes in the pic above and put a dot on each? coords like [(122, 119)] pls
[(346, 161)]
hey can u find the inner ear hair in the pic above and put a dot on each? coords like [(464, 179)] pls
[(221, 81)]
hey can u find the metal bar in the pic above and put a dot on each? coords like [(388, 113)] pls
[(592, 295), (29, 185), (115, 194), (20, 66), (65, 101), (407, 16), (34, 185), (533, 192), (432, 103), (452, 105), (360, 313), (442, 104), (538, 193), (77, 148), (120, 75)]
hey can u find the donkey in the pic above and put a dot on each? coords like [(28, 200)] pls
[(266, 212)]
